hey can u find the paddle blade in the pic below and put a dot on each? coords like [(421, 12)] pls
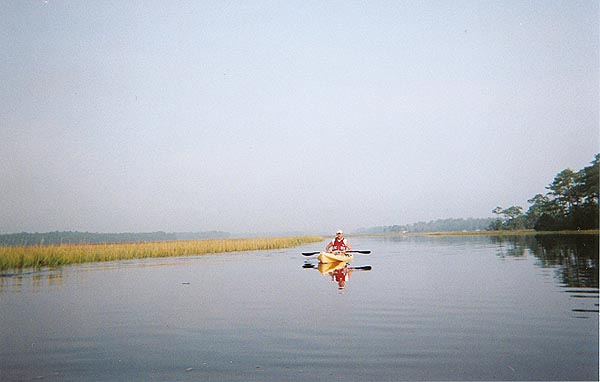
[(310, 253), (363, 268)]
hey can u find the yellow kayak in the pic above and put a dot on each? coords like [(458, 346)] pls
[(325, 268), (335, 257)]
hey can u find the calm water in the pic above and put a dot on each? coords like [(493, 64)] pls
[(464, 308)]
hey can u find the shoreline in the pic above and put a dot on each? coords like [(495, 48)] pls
[(523, 232), (56, 255)]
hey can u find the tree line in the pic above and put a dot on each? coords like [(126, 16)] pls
[(439, 225), (74, 237), (571, 203)]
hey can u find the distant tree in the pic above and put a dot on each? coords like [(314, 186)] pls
[(513, 212), (540, 205), (508, 218), (546, 222), (586, 216), (571, 202), (496, 225), (564, 190), (70, 237), (590, 184), (440, 225)]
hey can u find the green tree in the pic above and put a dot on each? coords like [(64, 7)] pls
[(590, 184), (565, 190), (509, 218), (571, 203), (540, 204)]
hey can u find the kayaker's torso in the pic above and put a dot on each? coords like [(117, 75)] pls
[(339, 244)]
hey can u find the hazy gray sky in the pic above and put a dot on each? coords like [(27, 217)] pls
[(253, 116)]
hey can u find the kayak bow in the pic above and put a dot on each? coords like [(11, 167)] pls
[(334, 257)]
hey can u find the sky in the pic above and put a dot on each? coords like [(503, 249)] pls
[(288, 116)]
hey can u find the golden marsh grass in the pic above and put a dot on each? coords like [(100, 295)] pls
[(38, 256)]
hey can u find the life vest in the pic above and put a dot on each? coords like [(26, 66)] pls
[(339, 245)]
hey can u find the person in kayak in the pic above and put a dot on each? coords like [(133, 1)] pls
[(338, 244)]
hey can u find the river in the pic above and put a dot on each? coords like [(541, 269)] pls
[(430, 308)]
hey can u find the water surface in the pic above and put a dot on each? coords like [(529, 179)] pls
[(431, 308)]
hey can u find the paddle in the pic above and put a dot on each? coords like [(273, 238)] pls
[(316, 253), (360, 268)]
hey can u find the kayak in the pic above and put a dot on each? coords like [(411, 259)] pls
[(325, 268), (334, 257)]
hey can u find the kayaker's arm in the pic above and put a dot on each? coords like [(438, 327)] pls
[(329, 245)]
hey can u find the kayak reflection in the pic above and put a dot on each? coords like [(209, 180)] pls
[(338, 271)]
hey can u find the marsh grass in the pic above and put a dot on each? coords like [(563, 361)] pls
[(39, 256)]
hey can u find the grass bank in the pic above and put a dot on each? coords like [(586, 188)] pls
[(39, 256)]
